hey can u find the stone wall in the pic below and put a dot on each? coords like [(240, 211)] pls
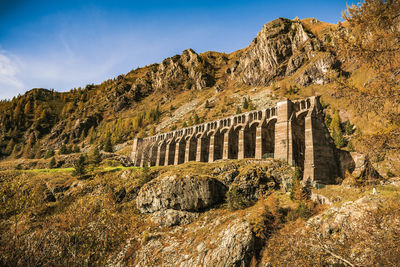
[(293, 131)]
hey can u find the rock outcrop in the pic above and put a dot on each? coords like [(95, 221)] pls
[(281, 48), (211, 241), (189, 193)]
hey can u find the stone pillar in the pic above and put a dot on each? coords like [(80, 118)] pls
[(137, 146), (141, 160), (225, 150), (320, 161), (177, 145), (241, 144), (158, 154), (199, 149), (211, 154), (187, 150), (167, 154), (309, 167), (283, 132), (151, 152), (259, 142)]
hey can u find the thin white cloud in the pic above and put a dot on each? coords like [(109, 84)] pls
[(10, 85)]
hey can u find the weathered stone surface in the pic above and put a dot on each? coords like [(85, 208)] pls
[(186, 193), (172, 217), (320, 199), (317, 70), (280, 49), (292, 131), (210, 242), (234, 247), (255, 181), (349, 214), (60, 135), (363, 167)]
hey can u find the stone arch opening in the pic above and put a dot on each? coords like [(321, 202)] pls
[(268, 139), (181, 151), (299, 145), (192, 148), (218, 145), (163, 148), (153, 153), (233, 139), (204, 148), (171, 153), (250, 141)]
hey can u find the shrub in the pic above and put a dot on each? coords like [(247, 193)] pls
[(76, 149), (94, 156), (390, 174), (144, 176), (50, 153), (80, 166), (52, 163), (245, 103), (207, 104), (108, 147), (236, 199), (302, 211)]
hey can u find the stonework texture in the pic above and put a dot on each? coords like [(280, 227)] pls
[(293, 131)]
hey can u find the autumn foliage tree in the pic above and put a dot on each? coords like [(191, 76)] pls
[(372, 41)]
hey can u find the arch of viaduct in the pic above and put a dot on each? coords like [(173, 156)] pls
[(292, 131)]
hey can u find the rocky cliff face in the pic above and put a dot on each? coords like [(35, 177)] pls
[(186, 71), (281, 48)]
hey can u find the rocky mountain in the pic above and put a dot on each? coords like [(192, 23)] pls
[(283, 48), (280, 49), (69, 194)]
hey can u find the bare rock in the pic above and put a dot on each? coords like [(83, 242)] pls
[(350, 214), (208, 243), (320, 199), (172, 217), (363, 167), (281, 48), (188, 194)]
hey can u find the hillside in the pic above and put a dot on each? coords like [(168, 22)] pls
[(180, 84), (70, 195), (288, 58)]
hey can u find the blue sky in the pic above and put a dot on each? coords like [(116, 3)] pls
[(64, 44)]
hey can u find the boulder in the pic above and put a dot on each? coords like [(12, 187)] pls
[(189, 193), (363, 167)]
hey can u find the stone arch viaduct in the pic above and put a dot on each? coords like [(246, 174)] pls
[(292, 131)]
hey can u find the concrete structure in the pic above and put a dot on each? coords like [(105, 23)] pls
[(292, 131)]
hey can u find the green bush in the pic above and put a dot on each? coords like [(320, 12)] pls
[(50, 153), (145, 176), (80, 166), (52, 163), (302, 211), (236, 199), (390, 174)]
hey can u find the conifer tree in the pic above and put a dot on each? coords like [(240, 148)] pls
[(108, 147), (52, 163), (336, 128), (80, 166), (75, 149), (63, 149), (10, 146), (207, 104), (50, 153), (245, 103), (94, 156)]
